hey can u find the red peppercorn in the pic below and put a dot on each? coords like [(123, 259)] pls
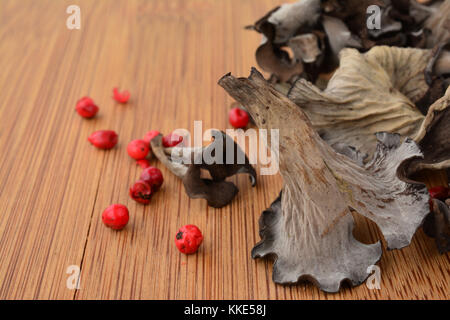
[(86, 107), (141, 192), (144, 163), (188, 239), (171, 140), (150, 135), (439, 192), (153, 176), (238, 118), (138, 149), (121, 97), (115, 216), (104, 139)]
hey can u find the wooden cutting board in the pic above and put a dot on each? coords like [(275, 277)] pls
[(54, 185)]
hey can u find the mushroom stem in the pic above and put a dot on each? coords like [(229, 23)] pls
[(177, 168)]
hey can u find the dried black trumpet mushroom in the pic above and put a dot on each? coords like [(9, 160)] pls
[(331, 25), (309, 228), (278, 27), (437, 225), (188, 166), (377, 91), (433, 137)]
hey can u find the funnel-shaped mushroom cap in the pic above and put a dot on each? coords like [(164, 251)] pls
[(309, 228)]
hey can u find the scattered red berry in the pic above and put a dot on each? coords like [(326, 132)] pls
[(153, 176), (238, 118), (121, 97), (104, 139), (86, 107), (171, 140), (439, 192), (115, 216), (188, 239), (138, 149), (141, 192), (150, 135), (144, 163)]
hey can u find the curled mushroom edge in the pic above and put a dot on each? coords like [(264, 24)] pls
[(187, 164), (343, 25), (379, 91), (311, 235)]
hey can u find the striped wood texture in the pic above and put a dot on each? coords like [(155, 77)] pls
[(54, 184)]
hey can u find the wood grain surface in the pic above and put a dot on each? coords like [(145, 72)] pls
[(54, 185)]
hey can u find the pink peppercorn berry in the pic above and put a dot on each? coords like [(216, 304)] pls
[(141, 192), (150, 135), (188, 239), (439, 192), (153, 176), (121, 97), (86, 107), (138, 149), (104, 139), (171, 140), (116, 216), (144, 163), (238, 118)]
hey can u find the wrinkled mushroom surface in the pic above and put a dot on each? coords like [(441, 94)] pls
[(344, 24), (189, 165), (378, 91), (309, 227), (439, 24)]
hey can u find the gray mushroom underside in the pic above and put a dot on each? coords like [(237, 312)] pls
[(310, 233)]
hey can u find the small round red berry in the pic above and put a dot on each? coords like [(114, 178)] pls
[(86, 107), (138, 149), (150, 135), (141, 192), (238, 118), (104, 139), (171, 140), (115, 216), (188, 239), (153, 176), (144, 163), (439, 192)]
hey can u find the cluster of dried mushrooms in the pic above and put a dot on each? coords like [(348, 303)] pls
[(359, 138), (311, 235), (377, 91), (316, 31)]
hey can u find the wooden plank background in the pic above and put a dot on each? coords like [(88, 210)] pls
[(54, 185)]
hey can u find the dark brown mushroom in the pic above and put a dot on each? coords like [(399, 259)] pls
[(345, 24), (279, 26), (437, 225), (222, 158), (275, 60)]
